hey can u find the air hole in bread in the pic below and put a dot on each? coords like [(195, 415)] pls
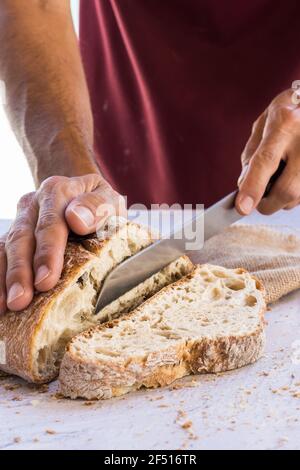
[(216, 294), (145, 318), (235, 284), (169, 334), (106, 352), (250, 301), (82, 281), (219, 273)]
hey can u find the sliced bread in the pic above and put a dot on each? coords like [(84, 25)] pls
[(35, 339), (212, 320)]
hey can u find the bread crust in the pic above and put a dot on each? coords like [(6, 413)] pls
[(19, 329), (106, 379)]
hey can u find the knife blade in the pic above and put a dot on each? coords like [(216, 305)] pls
[(152, 259)]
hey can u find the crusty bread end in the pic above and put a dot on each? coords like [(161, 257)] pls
[(210, 321)]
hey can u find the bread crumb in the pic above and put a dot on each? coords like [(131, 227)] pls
[(17, 439), (36, 439), (187, 424), (88, 403), (50, 431), (180, 385)]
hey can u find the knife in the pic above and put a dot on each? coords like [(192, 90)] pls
[(152, 259)]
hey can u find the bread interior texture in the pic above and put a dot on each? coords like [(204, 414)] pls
[(73, 311), (210, 321)]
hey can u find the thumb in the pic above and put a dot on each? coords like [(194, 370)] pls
[(88, 212)]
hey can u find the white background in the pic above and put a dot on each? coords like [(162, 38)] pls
[(15, 177)]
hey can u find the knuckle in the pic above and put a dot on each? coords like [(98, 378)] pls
[(52, 182), (25, 200), (18, 233), (48, 219), (16, 265), (2, 244), (283, 115), (266, 156), (43, 252)]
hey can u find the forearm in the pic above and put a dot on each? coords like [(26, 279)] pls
[(46, 94)]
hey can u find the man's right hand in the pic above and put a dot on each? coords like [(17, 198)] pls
[(32, 253)]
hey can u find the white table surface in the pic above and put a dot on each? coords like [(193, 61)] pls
[(257, 407)]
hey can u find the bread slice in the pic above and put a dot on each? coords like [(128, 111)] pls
[(36, 338), (209, 321)]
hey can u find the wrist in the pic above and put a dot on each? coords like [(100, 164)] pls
[(65, 157)]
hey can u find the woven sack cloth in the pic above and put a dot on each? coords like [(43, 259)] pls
[(271, 253)]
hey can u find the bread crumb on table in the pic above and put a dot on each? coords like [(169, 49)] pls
[(17, 439), (156, 398), (50, 431), (187, 425)]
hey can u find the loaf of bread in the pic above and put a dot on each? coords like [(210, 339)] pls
[(212, 320), (35, 338)]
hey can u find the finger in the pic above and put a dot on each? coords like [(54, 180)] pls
[(255, 138), (89, 211), (19, 248), (3, 265), (285, 191), (262, 166), (51, 230), (288, 207), (51, 236)]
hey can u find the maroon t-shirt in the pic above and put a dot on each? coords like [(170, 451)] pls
[(176, 85)]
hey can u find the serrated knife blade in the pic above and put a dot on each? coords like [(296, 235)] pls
[(152, 259)]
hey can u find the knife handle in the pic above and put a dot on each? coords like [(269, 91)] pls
[(274, 177)]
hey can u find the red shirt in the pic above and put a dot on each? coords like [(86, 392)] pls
[(175, 86)]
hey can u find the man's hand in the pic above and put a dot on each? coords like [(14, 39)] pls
[(275, 136), (32, 253)]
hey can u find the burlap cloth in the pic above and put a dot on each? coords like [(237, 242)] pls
[(272, 254)]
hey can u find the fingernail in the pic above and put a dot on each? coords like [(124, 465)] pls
[(15, 292), (41, 274), (85, 215), (246, 204)]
